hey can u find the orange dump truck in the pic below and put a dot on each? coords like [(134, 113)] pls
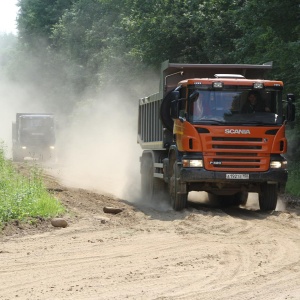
[(218, 128)]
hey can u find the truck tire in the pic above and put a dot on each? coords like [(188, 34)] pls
[(152, 188), (177, 194), (268, 197)]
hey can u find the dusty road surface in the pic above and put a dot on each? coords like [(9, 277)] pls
[(150, 252)]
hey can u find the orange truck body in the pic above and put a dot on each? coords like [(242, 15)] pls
[(223, 152)]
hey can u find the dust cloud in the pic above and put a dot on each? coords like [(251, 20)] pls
[(15, 98), (96, 135), (98, 147)]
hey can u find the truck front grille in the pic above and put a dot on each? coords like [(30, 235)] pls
[(236, 154)]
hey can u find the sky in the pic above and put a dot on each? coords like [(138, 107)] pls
[(8, 14)]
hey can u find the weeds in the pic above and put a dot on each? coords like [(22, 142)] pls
[(293, 184), (24, 197)]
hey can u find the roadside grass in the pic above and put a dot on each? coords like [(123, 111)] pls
[(21, 197), (293, 183)]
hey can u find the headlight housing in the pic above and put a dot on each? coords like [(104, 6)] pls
[(192, 163), (277, 164)]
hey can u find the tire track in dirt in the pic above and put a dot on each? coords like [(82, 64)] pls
[(147, 253)]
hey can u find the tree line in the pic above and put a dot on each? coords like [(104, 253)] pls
[(88, 44)]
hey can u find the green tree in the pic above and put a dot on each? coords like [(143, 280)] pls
[(8, 45), (271, 33), (37, 17), (220, 29), (165, 29), (109, 41)]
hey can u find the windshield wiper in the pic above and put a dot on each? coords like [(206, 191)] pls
[(215, 122), (257, 123)]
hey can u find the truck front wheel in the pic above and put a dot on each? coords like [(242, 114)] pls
[(268, 197), (177, 190)]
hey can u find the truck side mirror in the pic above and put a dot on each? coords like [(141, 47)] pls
[(194, 96), (175, 105), (290, 112), (290, 98), (290, 108)]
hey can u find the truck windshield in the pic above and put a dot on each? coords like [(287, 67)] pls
[(36, 123), (238, 107)]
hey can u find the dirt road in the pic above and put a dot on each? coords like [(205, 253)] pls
[(152, 253)]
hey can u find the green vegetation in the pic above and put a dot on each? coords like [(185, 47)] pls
[(24, 197), (74, 48), (88, 44), (292, 186)]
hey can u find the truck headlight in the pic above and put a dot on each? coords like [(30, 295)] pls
[(52, 147), (276, 164), (192, 163), (24, 147)]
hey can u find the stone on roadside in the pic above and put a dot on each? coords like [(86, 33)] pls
[(112, 210), (59, 222)]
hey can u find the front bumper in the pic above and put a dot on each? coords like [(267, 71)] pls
[(201, 176)]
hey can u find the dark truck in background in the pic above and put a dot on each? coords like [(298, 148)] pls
[(217, 149), (33, 136)]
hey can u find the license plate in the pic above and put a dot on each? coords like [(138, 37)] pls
[(237, 176)]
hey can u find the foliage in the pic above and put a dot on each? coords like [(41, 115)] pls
[(67, 48), (292, 186), (22, 197), (165, 29), (87, 44), (8, 44), (36, 18), (271, 33)]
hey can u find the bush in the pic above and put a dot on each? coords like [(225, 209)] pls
[(24, 197), (293, 184)]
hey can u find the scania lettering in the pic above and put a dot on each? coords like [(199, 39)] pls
[(237, 131)]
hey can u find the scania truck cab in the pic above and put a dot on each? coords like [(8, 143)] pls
[(223, 132)]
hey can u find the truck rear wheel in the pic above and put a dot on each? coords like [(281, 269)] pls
[(177, 193), (268, 197), (152, 187)]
